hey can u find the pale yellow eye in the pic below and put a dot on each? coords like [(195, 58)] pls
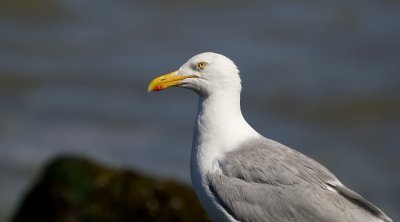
[(201, 65)]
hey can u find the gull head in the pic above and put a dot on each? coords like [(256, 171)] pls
[(206, 74)]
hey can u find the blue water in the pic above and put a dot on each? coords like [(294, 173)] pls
[(75, 82)]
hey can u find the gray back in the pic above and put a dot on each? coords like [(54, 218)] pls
[(267, 181)]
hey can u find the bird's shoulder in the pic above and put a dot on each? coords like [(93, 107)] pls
[(267, 161)]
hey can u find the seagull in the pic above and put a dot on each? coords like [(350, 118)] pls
[(238, 174)]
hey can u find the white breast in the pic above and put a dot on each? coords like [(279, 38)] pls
[(220, 128)]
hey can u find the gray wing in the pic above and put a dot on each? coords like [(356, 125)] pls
[(266, 181)]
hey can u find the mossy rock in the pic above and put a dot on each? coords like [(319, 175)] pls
[(76, 189)]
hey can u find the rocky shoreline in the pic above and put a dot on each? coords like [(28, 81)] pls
[(78, 189)]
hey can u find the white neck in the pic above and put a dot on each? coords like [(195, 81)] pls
[(219, 128)]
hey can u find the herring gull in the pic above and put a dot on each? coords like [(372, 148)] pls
[(239, 175)]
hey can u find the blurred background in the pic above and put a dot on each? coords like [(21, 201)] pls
[(320, 76)]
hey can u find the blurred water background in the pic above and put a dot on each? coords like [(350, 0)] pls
[(320, 76)]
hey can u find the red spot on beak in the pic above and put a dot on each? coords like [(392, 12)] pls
[(158, 88)]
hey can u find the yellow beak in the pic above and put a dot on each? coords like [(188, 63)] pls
[(166, 81)]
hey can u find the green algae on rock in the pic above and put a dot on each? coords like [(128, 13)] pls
[(76, 189)]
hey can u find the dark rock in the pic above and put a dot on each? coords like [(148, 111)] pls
[(76, 189)]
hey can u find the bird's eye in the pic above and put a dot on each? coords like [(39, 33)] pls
[(201, 65)]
